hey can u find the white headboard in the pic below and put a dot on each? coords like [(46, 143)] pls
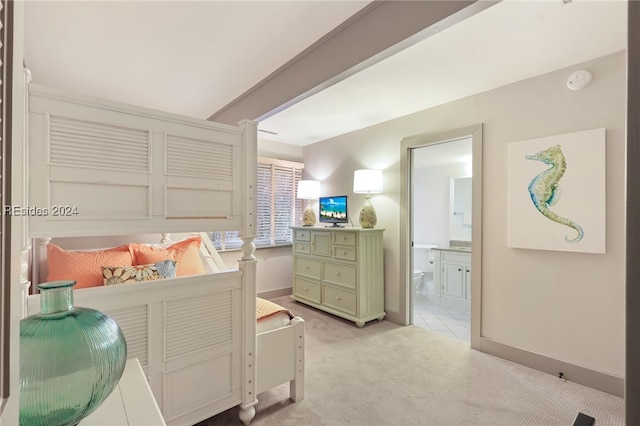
[(98, 167)]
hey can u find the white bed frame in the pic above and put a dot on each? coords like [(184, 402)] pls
[(130, 171)]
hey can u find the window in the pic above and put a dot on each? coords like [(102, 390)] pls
[(229, 240), (278, 207)]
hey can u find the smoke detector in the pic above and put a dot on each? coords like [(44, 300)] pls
[(579, 80)]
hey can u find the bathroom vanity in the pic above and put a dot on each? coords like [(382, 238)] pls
[(452, 277)]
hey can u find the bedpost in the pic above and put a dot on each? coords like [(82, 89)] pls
[(250, 167), (38, 262), (25, 284), (22, 197), (296, 386), (247, 264)]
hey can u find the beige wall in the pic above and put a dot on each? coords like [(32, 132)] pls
[(274, 270), (281, 151), (565, 306)]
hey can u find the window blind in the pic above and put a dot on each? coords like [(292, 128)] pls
[(265, 201), (277, 206)]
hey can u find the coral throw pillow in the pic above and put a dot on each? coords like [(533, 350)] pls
[(186, 254), (85, 267)]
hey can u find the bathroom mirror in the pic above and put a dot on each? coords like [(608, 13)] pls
[(460, 209)]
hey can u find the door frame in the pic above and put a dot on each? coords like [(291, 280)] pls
[(406, 220)]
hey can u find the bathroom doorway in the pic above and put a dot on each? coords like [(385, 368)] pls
[(441, 234), (441, 248)]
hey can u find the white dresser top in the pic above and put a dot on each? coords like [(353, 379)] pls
[(130, 403)]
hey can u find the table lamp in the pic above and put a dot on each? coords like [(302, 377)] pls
[(309, 189), (367, 182)]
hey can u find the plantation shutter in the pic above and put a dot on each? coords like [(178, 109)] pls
[(278, 207), (265, 203), (299, 204), (284, 204)]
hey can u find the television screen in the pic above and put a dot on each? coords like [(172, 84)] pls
[(334, 210)]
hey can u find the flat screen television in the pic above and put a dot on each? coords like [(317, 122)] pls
[(334, 210)]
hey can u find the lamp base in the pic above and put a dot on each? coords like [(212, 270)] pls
[(308, 216), (368, 218)]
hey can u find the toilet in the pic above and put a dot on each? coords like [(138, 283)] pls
[(423, 269)]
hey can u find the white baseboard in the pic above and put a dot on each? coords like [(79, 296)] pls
[(276, 293), (584, 376)]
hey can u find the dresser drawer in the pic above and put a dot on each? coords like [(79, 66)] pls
[(308, 267), (456, 257), (344, 252), (307, 289), (302, 235), (343, 300), (339, 273), (348, 238), (304, 248)]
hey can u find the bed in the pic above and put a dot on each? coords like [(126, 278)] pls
[(102, 175)]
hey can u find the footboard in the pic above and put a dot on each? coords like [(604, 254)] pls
[(187, 334), (281, 358)]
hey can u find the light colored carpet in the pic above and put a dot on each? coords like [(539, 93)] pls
[(385, 374)]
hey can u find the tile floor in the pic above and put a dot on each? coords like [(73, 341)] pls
[(447, 322)]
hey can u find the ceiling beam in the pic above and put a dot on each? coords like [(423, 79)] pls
[(378, 31)]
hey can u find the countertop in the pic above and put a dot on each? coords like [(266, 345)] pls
[(454, 248)]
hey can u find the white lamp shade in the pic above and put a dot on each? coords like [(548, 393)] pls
[(367, 181), (308, 189)]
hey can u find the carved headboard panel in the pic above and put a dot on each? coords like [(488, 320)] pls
[(98, 167)]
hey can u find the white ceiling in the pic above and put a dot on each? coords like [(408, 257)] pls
[(505, 43), (185, 57), (193, 58)]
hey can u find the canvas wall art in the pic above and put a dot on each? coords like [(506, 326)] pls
[(557, 192)]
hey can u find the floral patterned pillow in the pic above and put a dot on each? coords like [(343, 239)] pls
[(124, 274)]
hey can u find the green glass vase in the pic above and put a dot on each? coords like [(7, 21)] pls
[(71, 359)]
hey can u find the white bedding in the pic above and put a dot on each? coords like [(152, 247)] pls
[(271, 323)]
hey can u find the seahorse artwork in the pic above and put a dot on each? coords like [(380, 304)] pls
[(544, 187)]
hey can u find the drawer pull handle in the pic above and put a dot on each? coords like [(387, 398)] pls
[(337, 274), (306, 267), (344, 253), (306, 289), (337, 297)]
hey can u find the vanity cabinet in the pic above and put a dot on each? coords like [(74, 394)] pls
[(340, 271), (452, 278)]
